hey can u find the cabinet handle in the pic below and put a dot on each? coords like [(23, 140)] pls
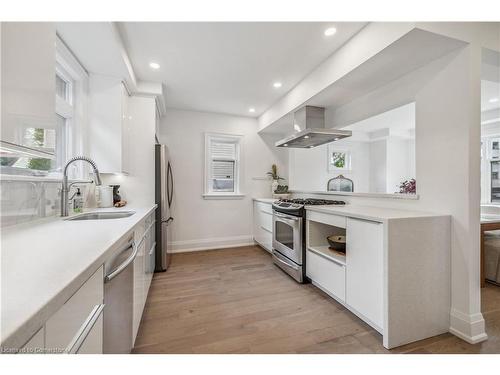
[(77, 342), (285, 263), (152, 248), (110, 276)]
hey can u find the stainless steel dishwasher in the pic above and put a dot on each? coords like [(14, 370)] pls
[(118, 299)]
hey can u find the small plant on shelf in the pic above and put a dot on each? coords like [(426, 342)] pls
[(274, 173), (408, 187)]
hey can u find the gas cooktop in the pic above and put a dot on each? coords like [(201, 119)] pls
[(311, 201), (296, 206)]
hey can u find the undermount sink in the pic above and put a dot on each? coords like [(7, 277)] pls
[(102, 215)]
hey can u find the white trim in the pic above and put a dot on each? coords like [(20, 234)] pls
[(469, 328), (210, 244)]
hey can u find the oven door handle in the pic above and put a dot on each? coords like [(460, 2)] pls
[(287, 217), (296, 268)]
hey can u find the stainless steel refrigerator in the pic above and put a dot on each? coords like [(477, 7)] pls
[(164, 193)]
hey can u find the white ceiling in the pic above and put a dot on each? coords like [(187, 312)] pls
[(229, 67)]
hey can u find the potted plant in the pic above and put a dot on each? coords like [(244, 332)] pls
[(274, 175)]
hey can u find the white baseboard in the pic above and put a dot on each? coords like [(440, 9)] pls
[(210, 244), (469, 328)]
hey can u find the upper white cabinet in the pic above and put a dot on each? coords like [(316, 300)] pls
[(109, 124), (28, 63)]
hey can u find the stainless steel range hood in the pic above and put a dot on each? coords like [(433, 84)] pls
[(310, 131)]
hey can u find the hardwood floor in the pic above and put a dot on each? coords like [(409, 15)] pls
[(237, 301)]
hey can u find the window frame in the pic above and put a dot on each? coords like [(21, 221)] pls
[(209, 193), (342, 150), (73, 108)]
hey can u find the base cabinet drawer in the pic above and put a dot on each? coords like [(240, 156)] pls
[(263, 225), (265, 239), (326, 274), (36, 344), (80, 316)]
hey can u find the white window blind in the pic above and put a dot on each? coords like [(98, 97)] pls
[(222, 164)]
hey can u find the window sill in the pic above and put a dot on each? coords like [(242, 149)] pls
[(223, 196), (49, 178)]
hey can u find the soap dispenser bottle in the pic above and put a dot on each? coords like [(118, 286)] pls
[(78, 202)]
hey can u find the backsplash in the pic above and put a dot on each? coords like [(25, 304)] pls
[(24, 201)]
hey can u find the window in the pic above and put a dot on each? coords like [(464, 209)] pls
[(45, 147), (338, 159), (222, 165)]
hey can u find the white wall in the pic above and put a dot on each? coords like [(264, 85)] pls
[(308, 168), (213, 223)]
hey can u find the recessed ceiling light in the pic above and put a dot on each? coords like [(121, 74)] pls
[(251, 110), (310, 146), (277, 85), (154, 65), (286, 145), (330, 31), (306, 137), (493, 100)]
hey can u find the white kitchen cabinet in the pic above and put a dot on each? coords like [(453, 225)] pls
[(139, 281), (364, 263), (28, 70), (109, 124), (36, 344), (263, 224), (326, 274), (78, 320)]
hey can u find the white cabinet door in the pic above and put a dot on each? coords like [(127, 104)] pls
[(364, 269), (36, 344), (138, 289), (262, 224), (109, 124), (28, 70), (72, 319)]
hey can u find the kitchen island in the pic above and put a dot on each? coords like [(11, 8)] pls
[(395, 274)]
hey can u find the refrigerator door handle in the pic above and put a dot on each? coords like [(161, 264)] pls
[(170, 184), (167, 221)]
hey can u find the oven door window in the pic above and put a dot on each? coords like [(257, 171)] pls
[(284, 234)]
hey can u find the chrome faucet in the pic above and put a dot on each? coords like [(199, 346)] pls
[(65, 188)]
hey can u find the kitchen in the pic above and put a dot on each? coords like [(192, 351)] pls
[(156, 202)]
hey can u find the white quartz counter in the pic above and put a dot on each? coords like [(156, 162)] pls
[(265, 200), (379, 214), (45, 262)]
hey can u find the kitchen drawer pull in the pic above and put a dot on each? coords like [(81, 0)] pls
[(84, 330), (146, 233), (296, 268), (110, 276), (152, 248)]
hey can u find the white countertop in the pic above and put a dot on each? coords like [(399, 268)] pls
[(43, 263), (265, 200), (352, 194), (380, 214)]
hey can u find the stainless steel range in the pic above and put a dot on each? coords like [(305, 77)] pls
[(289, 248)]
